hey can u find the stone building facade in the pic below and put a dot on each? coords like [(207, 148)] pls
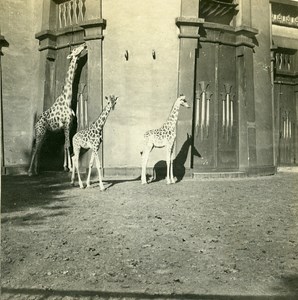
[(236, 62)]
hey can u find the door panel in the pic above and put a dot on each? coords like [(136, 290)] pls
[(287, 119), (215, 117)]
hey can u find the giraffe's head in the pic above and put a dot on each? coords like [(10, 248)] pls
[(76, 52), (112, 100), (182, 101)]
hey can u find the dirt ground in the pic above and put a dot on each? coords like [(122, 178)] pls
[(196, 239)]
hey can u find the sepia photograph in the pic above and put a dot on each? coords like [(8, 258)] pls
[(149, 149)]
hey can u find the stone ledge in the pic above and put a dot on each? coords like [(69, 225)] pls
[(210, 175), (290, 169)]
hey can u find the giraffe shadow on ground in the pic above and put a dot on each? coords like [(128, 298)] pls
[(112, 182), (179, 170)]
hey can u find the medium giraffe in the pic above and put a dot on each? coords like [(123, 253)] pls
[(91, 138), (58, 116), (163, 137)]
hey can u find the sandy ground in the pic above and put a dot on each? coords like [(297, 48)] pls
[(196, 239)]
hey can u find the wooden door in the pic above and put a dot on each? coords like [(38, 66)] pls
[(285, 95), (215, 115)]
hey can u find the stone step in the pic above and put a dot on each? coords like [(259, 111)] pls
[(289, 169), (207, 175)]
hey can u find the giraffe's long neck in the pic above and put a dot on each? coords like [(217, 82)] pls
[(67, 88), (99, 123), (173, 117)]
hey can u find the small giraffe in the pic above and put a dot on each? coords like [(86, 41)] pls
[(163, 137), (91, 138), (58, 116)]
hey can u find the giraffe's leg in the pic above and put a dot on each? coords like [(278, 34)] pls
[(171, 168), (168, 149), (70, 167), (67, 163), (35, 155), (99, 171), (90, 169), (30, 171), (65, 159), (145, 156), (73, 174), (75, 160)]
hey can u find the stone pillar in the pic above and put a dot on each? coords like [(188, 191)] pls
[(94, 37), (261, 18), (47, 47), (246, 94), (93, 31), (246, 107), (3, 43), (188, 24), (296, 124)]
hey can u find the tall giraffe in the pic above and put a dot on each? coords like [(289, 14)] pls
[(164, 136), (58, 116), (91, 138)]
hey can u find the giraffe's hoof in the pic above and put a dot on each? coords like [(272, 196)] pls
[(30, 174), (81, 187), (144, 182)]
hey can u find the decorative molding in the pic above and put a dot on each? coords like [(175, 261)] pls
[(285, 20), (285, 13), (50, 39), (71, 12), (285, 2), (94, 23), (191, 28), (185, 21)]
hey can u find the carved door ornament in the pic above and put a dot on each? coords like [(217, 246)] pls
[(82, 108), (203, 109), (286, 130), (227, 111)]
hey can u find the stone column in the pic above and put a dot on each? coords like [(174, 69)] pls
[(3, 43), (188, 24), (261, 18), (47, 48), (246, 107), (245, 78), (94, 37)]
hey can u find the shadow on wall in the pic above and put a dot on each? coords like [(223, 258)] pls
[(160, 168)]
